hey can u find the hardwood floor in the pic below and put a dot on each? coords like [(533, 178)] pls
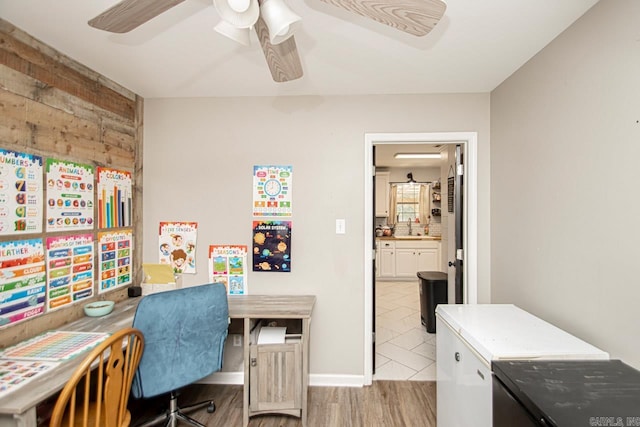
[(385, 404)]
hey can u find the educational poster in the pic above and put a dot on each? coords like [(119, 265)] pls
[(114, 198), (69, 270), (23, 280), (17, 373), (177, 246), (272, 246), (272, 190), (69, 196), (114, 259), (20, 193), (228, 265)]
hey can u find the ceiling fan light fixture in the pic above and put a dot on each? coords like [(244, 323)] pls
[(231, 11), (239, 35), (281, 21)]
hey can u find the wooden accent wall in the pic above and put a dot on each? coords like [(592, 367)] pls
[(54, 107)]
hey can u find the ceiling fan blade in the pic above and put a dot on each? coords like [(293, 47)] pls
[(416, 17), (129, 14), (282, 58)]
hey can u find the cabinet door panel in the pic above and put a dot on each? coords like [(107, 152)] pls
[(428, 259), (406, 265), (447, 405), (276, 377), (387, 263)]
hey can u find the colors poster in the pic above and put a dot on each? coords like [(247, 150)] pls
[(69, 196), (70, 273), (177, 246), (114, 198), (20, 193), (114, 255), (272, 246), (22, 280), (228, 265), (272, 191)]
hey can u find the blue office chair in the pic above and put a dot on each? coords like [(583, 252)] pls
[(184, 332)]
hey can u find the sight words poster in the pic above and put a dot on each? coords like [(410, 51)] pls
[(272, 194), (272, 246), (20, 193), (114, 259), (228, 265), (23, 280), (177, 246), (114, 198), (69, 196), (69, 270)]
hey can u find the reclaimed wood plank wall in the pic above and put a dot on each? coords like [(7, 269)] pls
[(55, 107)]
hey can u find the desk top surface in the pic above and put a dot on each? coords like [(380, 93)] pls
[(240, 306)]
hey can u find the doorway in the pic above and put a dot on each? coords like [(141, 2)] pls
[(469, 142)]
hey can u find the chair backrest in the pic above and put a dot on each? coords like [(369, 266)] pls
[(184, 331), (98, 391)]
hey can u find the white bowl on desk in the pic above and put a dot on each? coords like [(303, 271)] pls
[(98, 308)]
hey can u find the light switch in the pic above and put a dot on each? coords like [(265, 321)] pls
[(340, 226)]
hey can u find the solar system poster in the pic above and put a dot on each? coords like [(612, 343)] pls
[(272, 246), (228, 265), (23, 280), (20, 193), (70, 272), (272, 186), (69, 196), (114, 259)]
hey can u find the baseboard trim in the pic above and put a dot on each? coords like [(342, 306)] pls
[(315, 380)]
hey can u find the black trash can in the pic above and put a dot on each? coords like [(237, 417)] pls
[(433, 291)]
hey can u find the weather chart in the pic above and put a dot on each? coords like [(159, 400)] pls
[(20, 193), (272, 186)]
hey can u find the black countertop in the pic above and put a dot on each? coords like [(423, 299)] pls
[(574, 393)]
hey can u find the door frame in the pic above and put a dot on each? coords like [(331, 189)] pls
[(470, 232)]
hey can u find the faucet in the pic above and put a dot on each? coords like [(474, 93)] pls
[(409, 224)]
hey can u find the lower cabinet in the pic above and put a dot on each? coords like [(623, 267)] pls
[(464, 382), (402, 259)]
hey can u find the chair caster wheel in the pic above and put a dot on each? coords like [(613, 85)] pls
[(211, 408)]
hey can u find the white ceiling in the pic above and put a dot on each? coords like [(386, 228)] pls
[(475, 47)]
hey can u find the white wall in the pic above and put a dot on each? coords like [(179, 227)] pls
[(565, 209), (198, 160)]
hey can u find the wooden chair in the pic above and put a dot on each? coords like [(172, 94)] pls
[(101, 402)]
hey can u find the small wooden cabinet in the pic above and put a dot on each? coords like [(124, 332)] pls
[(276, 376)]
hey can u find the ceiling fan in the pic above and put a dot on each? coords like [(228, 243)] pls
[(416, 17)]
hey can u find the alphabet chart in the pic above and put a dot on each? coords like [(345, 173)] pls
[(54, 346)]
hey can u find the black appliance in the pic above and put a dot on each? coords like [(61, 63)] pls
[(433, 291), (568, 393)]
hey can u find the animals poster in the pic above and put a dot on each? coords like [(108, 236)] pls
[(114, 255), (114, 198), (23, 280), (177, 246), (272, 191), (70, 272), (69, 196), (272, 246), (228, 265), (20, 193)]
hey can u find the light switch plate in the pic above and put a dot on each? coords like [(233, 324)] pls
[(340, 226)]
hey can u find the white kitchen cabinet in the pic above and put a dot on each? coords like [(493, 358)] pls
[(469, 337), (387, 255), (416, 255), (382, 194)]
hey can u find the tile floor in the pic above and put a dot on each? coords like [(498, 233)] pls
[(404, 348)]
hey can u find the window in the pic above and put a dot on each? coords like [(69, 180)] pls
[(407, 202)]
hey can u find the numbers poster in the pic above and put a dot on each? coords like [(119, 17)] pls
[(22, 280), (272, 187), (70, 272), (69, 196), (114, 198), (272, 246), (228, 265), (20, 193), (177, 246), (114, 259)]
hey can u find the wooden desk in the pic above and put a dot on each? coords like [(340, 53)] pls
[(18, 408)]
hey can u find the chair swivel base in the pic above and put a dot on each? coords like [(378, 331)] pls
[(171, 417)]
